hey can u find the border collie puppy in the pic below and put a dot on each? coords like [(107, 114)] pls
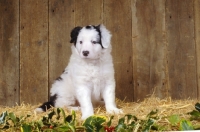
[(89, 77)]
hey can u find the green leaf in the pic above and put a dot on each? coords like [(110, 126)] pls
[(121, 120), (63, 113), (51, 114), (148, 125), (13, 117), (63, 128), (72, 127), (186, 125), (152, 114), (110, 121), (174, 119), (3, 117), (197, 106), (89, 128), (26, 128), (73, 121), (94, 123), (120, 127), (195, 115), (58, 113), (132, 124)]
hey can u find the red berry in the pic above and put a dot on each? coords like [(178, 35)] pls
[(51, 127), (109, 129)]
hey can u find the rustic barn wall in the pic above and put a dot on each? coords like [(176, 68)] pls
[(156, 46)]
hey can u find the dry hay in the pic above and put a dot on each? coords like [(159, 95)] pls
[(165, 107)]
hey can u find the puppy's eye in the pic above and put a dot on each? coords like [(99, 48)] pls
[(94, 42), (81, 42)]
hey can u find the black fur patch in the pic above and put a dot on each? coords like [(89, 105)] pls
[(59, 79), (88, 27), (99, 33), (74, 34), (47, 105)]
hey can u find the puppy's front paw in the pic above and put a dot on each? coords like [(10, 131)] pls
[(85, 116), (114, 110)]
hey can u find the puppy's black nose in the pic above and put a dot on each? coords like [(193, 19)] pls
[(85, 53)]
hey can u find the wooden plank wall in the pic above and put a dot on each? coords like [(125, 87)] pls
[(156, 46)]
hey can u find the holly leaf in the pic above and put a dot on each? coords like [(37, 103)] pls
[(195, 115), (26, 128), (110, 121), (186, 125), (148, 125), (121, 125), (174, 119), (51, 114), (94, 123), (152, 114)]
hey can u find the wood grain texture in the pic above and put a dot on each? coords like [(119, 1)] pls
[(61, 22), (88, 12), (9, 52), (149, 46), (117, 18), (181, 49), (33, 51), (197, 40)]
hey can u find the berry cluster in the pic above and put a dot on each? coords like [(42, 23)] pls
[(109, 129)]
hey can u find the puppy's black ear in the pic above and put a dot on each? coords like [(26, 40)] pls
[(74, 34)]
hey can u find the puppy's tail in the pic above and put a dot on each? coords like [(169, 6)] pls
[(47, 105)]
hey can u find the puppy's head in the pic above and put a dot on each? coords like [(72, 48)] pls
[(90, 40)]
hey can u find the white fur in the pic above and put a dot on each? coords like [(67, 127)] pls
[(88, 79)]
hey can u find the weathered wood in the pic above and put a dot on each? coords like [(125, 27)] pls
[(117, 18), (181, 49), (149, 46), (155, 46), (33, 51), (9, 52), (197, 40), (61, 22), (88, 12)]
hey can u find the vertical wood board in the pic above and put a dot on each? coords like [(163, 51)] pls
[(33, 51), (9, 52), (181, 49), (120, 27), (149, 46), (88, 12), (197, 40), (61, 22)]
